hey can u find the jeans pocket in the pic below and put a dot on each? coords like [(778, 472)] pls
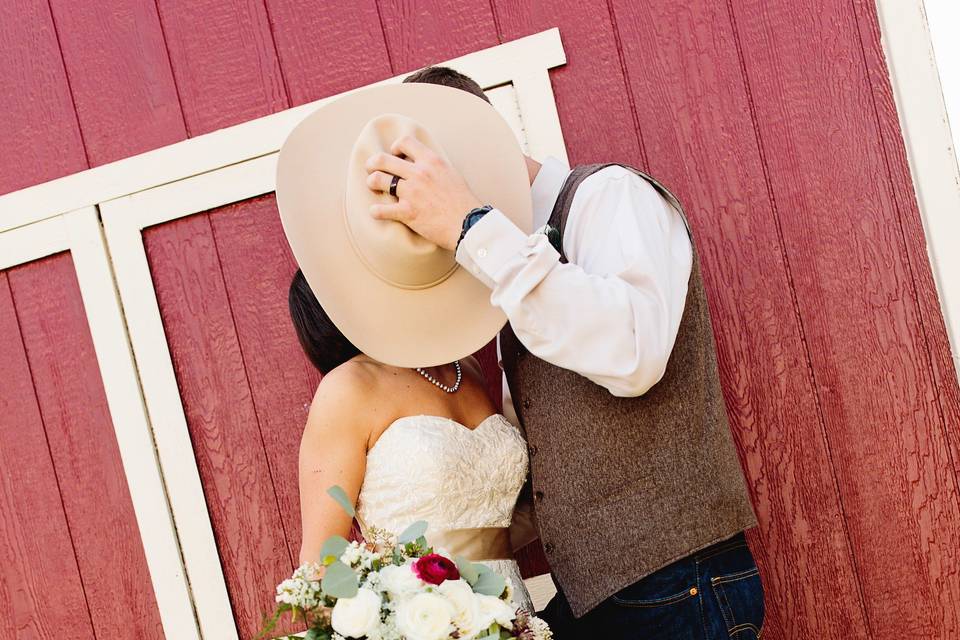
[(625, 601), (655, 614), (740, 596)]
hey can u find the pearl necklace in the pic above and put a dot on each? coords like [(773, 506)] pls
[(448, 389)]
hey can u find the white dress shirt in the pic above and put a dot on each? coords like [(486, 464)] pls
[(613, 311)]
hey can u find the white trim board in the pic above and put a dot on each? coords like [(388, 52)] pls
[(930, 151), (79, 232), (524, 63)]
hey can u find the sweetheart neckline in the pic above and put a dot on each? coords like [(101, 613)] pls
[(454, 423)]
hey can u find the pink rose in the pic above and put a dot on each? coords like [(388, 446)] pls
[(434, 569)]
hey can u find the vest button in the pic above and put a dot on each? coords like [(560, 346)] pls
[(548, 547), (526, 404), (533, 450), (538, 496)]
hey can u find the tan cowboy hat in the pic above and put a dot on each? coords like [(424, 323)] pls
[(396, 296)]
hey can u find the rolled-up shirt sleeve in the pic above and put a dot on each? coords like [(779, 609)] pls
[(613, 311)]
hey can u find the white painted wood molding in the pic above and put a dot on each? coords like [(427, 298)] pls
[(930, 151)]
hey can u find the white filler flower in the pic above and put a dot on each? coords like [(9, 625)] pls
[(400, 581), (466, 607), (425, 616), (493, 609), (355, 617)]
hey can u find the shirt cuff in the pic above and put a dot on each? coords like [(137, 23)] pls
[(489, 245)]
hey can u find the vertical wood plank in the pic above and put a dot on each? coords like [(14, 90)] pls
[(901, 183), (328, 51), (423, 32), (40, 136), (120, 78), (36, 553), (221, 414), (694, 112), (591, 91), (224, 61), (282, 380), (817, 125), (93, 487)]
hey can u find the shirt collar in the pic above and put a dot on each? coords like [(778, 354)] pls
[(546, 188)]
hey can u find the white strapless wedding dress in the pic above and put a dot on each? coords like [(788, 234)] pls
[(435, 469)]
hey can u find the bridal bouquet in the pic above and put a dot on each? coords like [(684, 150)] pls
[(399, 588)]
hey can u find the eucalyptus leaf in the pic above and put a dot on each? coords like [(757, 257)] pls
[(490, 583), (339, 581), (468, 570), (333, 548), (337, 493), (411, 533)]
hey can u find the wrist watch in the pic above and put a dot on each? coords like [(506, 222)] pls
[(472, 218)]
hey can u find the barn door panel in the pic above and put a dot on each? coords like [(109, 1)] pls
[(86, 540), (35, 546), (221, 279), (858, 298)]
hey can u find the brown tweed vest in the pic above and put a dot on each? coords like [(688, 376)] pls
[(625, 486)]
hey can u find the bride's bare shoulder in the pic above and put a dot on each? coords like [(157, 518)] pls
[(347, 395), (351, 397)]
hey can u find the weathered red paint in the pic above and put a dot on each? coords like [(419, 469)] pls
[(92, 532), (35, 547), (72, 547)]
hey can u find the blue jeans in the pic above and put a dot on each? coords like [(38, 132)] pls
[(714, 594)]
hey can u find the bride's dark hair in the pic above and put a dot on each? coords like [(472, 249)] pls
[(325, 346)]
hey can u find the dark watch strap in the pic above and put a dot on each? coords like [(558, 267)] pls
[(472, 218)]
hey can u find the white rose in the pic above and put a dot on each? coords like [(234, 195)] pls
[(355, 617), (465, 606), (400, 581), (493, 609), (425, 616)]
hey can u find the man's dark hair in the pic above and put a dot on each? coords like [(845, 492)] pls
[(321, 340), (449, 78)]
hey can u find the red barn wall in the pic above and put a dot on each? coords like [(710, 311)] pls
[(772, 119)]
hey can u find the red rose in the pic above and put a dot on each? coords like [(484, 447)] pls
[(434, 568)]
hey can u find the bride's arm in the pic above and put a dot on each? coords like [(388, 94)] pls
[(333, 451)]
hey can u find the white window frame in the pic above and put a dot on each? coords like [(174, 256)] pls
[(930, 152), (195, 175)]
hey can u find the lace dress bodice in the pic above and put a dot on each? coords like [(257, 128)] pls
[(435, 469)]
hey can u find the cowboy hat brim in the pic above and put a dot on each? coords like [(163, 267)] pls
[(399, 326)]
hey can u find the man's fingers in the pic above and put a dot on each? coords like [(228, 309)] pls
[(380, 181), (410, 147), (389, 164), (393, 211)]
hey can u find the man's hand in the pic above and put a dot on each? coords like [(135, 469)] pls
[(433, 198)]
